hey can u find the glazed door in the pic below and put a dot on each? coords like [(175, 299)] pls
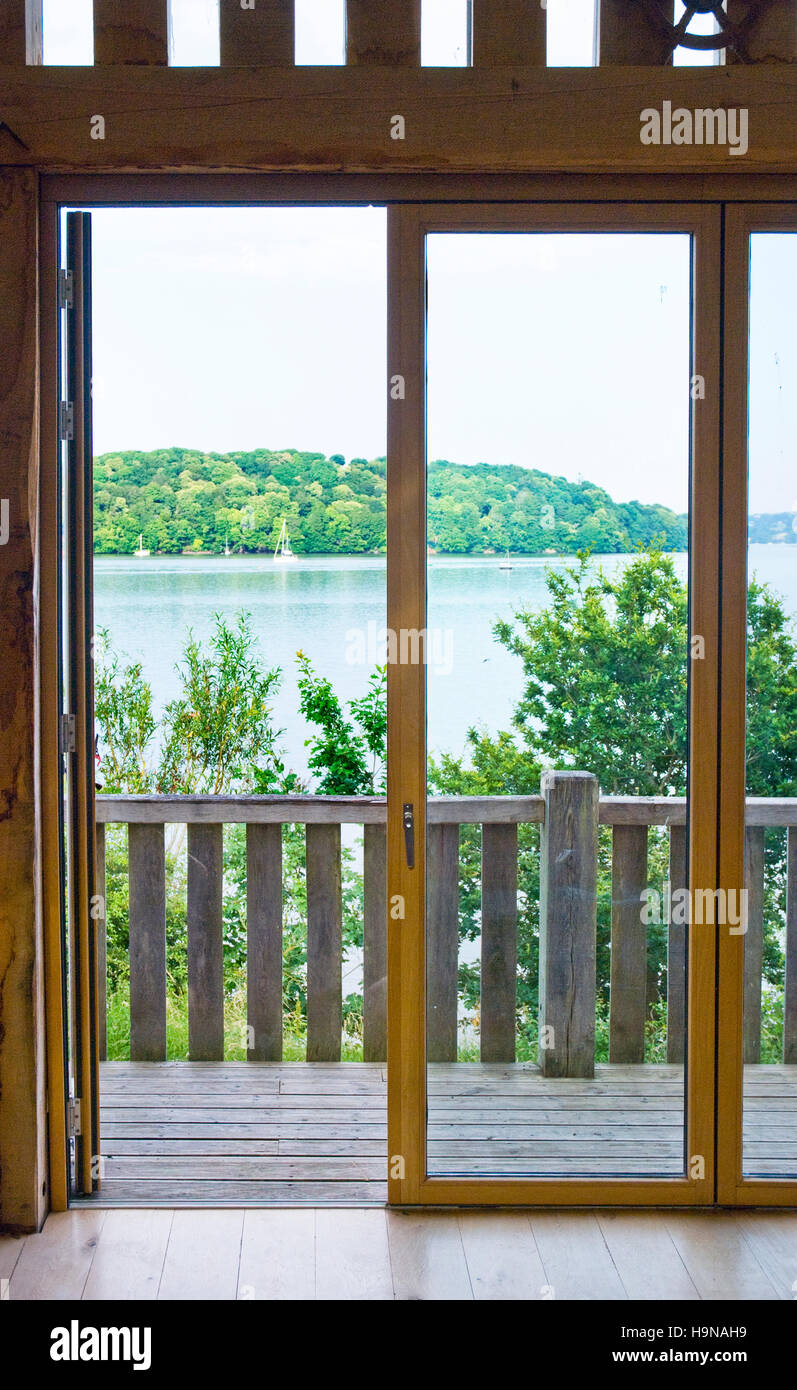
[(553, 562)]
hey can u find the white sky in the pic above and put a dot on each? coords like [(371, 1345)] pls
[(558, 353)]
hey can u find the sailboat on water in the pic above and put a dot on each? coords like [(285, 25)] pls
[(283, 550), (141, 553)]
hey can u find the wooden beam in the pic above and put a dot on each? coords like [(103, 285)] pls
[(131, 31), (389, 35), (627, 35), (770, 36), (257, 33), (23, 1122), (457, 120), (21, 32), (512, 34)]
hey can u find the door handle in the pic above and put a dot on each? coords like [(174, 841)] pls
[(408, 819)]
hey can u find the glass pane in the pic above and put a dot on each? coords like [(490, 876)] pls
[(770, 941), (557, 638)]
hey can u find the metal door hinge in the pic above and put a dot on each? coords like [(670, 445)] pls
[(66, 289), (73, 1119), (67, 733), (66, 420)]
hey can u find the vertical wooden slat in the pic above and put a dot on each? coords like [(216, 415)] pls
[(147, 869), (102, 939), (131, 31), (568, 923), (374, 943), (442, 941), (499, 942), (771, 34), (324, 944), (790, 971), (386, 34), (628, 976), (753, 941), (21, 31), (264, 942), (512, 34), (628, 36), (262, 35), (205, 944), (676, 950)]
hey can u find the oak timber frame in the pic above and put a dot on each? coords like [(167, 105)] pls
[(507, 134)]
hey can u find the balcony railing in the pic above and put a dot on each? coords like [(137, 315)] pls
[(569, 812)]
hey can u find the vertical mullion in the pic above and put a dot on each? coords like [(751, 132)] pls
[(733, 608), (406, 764)]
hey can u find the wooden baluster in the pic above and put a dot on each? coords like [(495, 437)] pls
[(771, 36), (568, 923), (264, 942), (205, 943), (627, 35), (389, 35), (21, 30), (147, 869), (374, 943), (442, 941), (676, 949), (261, 36), (101, 929), (790, 972), (499, 942), (753, 941), (512, 34), (628, 972), (131, 31), (324, 944)]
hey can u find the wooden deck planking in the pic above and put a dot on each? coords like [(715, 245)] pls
[(259, 1133)]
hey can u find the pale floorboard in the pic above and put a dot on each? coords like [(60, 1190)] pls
[(278, 1254)]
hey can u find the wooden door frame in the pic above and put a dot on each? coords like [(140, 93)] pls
[(733, 1189), (408, 1182)]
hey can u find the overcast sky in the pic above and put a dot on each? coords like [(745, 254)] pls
[(243, 328)]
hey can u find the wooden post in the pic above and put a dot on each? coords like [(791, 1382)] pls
[(261, 35), (628, 982), (324, 944), (147, 870), (264, 942), (374, 943), (23, 1121), (21, 30), (131, 31), (627, 35), (772, 34), (568, 923), (442, 941), (790, 969), (499, 943), (389, 35), (753, 941), (512, 34), (676, 951), (205, 943), (102, 941)]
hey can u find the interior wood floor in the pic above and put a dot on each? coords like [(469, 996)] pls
[(248, 1134), (96, 1253)]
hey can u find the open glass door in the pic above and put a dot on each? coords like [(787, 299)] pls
[(757, 1142), (552, 595), (77, 720)]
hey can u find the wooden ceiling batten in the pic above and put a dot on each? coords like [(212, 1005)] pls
[(512, 34), (385, 34), (260, 35), (131, 31), (21, 31)]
